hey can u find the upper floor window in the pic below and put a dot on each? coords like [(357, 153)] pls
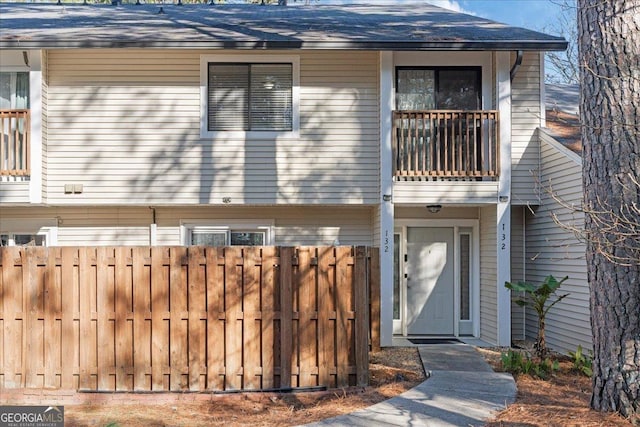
[(438, 88), (14, 90), (249, 94), (250, 97)]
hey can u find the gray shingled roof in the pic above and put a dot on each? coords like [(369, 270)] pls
[(401, 27)]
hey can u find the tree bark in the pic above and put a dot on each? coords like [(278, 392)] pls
[(609, 50)]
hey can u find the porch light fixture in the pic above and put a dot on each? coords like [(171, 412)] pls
[(434, 208)]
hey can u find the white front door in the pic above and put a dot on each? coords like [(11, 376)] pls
[(430, 279)]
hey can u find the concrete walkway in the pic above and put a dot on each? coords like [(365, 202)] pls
[(461, 390)]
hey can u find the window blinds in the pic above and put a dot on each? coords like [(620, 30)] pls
[(250, 97)]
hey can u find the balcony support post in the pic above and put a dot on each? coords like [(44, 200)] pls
[(386, 217), (35, 154), (503, 269)]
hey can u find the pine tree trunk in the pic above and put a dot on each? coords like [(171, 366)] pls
[(609, 43)]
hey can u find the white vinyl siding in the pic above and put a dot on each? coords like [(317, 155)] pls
[(14, 192), (101, 226), (104, 227), (375, 225), (488, 275), (517, 270), (291, 225), (402, 212), (86, 235), (525, 119), (552, 249), (458, 192), (126, 125)]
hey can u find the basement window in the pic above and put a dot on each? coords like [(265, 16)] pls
[(14, 239), (238, 235)]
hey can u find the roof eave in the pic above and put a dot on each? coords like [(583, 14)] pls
[(469, 45)]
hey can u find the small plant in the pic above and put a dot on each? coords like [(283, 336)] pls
[(537, 297), (581, 362), (512, 361), (545, 368), (516, 363), (528, 366)]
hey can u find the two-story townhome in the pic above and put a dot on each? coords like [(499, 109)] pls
[(407, 127)]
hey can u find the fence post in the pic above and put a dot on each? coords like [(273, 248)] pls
[(343, 307), (374, 296), (286, 315), (326, 306), (215, 319), (267, 306), (251, 308), (362, 317)]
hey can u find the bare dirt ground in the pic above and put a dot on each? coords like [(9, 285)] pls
[(562, 401), (392, 371)]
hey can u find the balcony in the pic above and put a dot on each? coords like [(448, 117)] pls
[(434, 145), (14, 142)]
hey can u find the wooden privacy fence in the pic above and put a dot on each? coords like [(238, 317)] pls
[(178, 318)]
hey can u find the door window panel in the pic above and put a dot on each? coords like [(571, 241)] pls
[(458, 90), (465, 276), (416, 89), (396, 276)]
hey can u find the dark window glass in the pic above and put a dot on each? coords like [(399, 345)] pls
[(250, 97), (423, 88)]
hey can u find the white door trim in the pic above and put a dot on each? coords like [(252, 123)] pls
[(401, 226)]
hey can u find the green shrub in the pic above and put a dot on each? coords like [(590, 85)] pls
[(512, 361), (517, 363), (581, 362)]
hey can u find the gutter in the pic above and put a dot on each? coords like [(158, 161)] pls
[(468, 45), (516, 65)]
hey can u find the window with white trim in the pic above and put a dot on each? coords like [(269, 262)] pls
[(28, 232), (201, 235), (250, 95), (14, 90), (20, 239)]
